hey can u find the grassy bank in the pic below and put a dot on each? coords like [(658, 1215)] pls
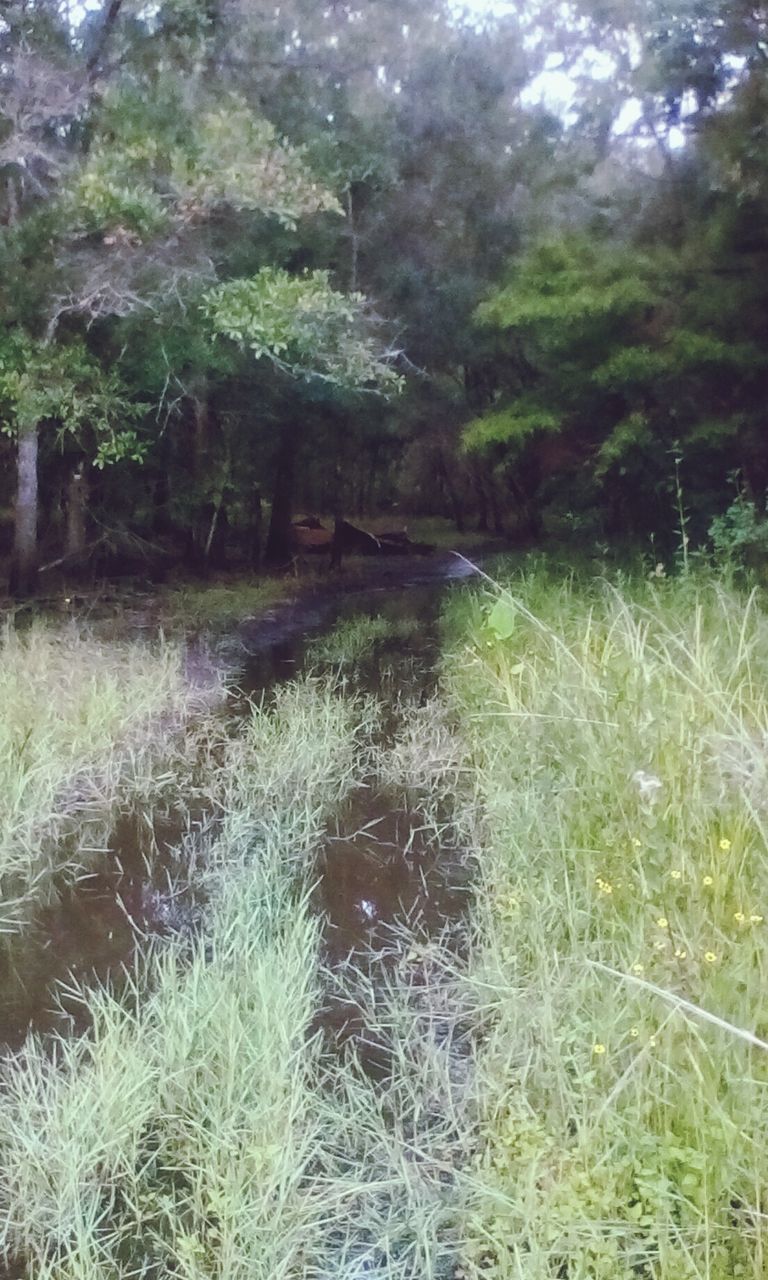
[(84, 727), (618, 738)]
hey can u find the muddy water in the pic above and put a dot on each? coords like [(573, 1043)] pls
[(94, 928), (380, 864)]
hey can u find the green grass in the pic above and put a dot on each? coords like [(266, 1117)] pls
[(577, 1093), (199, 1130), (618, 738), (84, 726), (218, 604), (434, 530), (354, 639)]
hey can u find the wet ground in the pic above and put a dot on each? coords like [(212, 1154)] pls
[(381, 864)]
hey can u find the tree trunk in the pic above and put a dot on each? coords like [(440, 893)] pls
[(24, 563), (77, 505), (201, 461), (279, 549), (496, 511), (254, 533), (482, 503), (452, 492)]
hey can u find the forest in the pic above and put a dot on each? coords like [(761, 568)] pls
[(383, 640), (261, 260)]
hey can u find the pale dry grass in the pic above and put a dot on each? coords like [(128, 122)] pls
[(84, 724)]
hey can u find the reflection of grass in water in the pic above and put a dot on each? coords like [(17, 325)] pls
[(352, 640), (83, 725), (618, 742), (196, 1131)]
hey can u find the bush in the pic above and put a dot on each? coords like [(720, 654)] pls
[(740, 535)]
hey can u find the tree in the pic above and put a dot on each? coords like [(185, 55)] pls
[(623, 357), (65, 388), (129, 216), (307, 331)]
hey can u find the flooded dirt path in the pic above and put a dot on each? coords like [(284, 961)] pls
[(379, 866)]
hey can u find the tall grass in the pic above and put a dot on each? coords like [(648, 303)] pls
[(354, 639), (82, 724), (619, 742), (200, 1130), (576, 1094)]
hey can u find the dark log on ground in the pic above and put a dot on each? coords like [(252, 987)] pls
[(397, 543), (352, 541), (346, 539), (308, 522), (394, 535), (311, 539)]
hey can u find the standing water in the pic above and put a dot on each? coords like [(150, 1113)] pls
[(382, 865)]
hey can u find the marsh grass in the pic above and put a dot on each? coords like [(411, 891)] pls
[(84, 727), (218, 605), (570, 1083), (200, 1129), (618, 740), (352, 640)]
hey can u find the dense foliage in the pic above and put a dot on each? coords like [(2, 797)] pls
[(345, 258)]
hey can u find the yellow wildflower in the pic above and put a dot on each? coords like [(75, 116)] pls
[(636, 842), (676, 875), (680, 954), (634, 1032), (652, 1042), (663, 922), (755, 919), (707, 881), (638, 968), (598, 1049), (739, 917), (710, 957), (725, 845)]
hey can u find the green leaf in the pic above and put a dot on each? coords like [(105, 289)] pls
[(502, 619)]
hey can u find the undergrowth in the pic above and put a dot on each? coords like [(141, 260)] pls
[(618, 740)]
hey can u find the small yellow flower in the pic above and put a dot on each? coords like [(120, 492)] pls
[(707, 881), (636, 842), (652, 1042), (725, 845), (598, 1049), (638, 968), (680, 954), (739, 917), (660, 945), (634, 1032), (710, 957), (663, 922), (755, 919), (676, 875)]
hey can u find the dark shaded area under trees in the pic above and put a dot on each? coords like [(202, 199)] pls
[(329, 259)]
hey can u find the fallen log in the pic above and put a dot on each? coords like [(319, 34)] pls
[(313, 540)]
